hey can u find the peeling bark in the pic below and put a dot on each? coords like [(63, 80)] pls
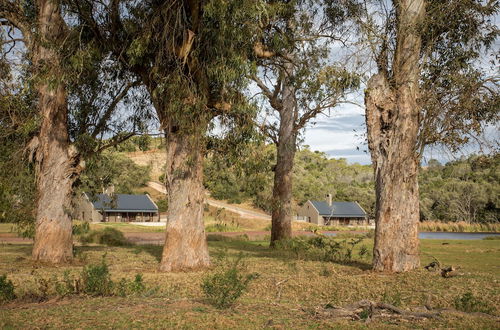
[(185, 241), (392, 119), (56, 162)]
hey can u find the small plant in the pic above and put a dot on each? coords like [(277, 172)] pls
[(392, 299), (96, 280), (6, 290), (81, 228), (224, 287), (108, 236), (468, 303), (325, 272)]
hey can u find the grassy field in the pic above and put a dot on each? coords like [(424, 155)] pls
[(289, 292)]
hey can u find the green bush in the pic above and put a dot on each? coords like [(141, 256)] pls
[(108, 236), (96, 280), (492, 238), (162, 205), (6, 290), (224, 287), (322, 248), (468, 303), (81, 228), (125, 287)]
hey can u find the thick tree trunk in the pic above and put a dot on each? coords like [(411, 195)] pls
[(392, 114), (185, 242), (56, 162), (281, 216)]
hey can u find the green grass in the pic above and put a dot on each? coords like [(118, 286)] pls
[(305, 286)]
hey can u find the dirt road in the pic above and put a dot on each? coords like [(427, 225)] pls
[(241, 211)]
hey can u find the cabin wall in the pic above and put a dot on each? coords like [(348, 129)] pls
[(309, 211)]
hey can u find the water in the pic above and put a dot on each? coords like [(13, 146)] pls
[(445, 235)]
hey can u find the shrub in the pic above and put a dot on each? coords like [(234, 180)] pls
[(81, 228), (322, 248), (162, 205), (108, 236), (468, 303), (96, 280), (6, 290), (492, 238), (224, 287), (126, 287)]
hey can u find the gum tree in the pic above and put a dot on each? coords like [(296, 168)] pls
[(187, 56), (53, 57), (429, 88), (300, 76)]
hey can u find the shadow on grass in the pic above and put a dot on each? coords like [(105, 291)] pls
[(153, 250), (261, 249)]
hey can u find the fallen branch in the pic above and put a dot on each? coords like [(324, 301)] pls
[(364, 309)]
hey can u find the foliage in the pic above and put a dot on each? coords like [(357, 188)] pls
[(108, 236), (224, 287), (467, 302), (111, 168), (96, 280), (162, 205), (322, 248), (462, 190), (6, 290), (81, 228)]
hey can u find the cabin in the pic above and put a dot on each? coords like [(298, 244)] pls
[(328, 213), (116, 208)]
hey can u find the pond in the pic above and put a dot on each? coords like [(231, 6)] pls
[(443, 235), (447, 235)]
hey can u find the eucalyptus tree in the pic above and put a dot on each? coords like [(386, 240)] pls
[(301, 76), (431, 87), (187, 55), (57, 64)]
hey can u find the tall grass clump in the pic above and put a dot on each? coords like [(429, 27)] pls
[(467, 302), (459, 227), (108, 236), (6, 290)]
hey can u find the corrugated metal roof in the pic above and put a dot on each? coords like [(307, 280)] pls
[(123, 203), (339, 209)]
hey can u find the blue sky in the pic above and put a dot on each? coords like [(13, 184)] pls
[(340, 135)]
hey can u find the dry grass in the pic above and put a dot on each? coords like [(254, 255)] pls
[(460, 227), (284, 296)]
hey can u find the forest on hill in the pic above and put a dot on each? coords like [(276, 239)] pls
[(462, 190)]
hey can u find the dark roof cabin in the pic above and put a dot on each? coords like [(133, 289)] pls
[(333, 213), (117, 208)]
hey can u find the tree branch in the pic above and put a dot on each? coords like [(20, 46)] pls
[(107, 114)]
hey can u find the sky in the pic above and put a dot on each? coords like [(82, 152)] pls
[(342, 134)]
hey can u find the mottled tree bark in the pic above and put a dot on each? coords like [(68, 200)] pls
[(185, 241), (281, 216), (392, 119), (56, 161)]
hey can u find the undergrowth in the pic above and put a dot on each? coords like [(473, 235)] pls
[(227, 284), (323, 248), (108, 236)]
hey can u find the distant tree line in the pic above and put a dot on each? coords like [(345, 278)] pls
[(461, 190)]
